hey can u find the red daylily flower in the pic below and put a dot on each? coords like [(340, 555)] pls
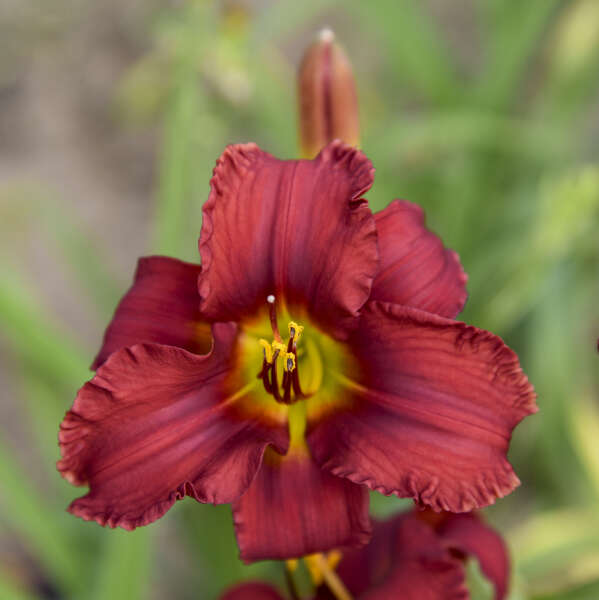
[(420, 554), (371, 383), (417, 555)]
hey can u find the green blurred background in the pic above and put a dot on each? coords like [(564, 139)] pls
[(485, 112)]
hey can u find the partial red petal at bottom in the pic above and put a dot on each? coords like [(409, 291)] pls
[(293, 508), (405, 559), (470, 536), (422, 568)]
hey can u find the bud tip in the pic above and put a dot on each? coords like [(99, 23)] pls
[(326, 35)]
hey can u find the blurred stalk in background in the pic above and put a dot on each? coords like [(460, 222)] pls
[(111, 118)]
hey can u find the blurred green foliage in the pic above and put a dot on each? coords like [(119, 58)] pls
[(492, 129)]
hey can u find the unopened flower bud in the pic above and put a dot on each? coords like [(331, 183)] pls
[(328, 102)]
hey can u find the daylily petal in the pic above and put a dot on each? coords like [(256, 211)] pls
[(298, 229), (364, 568), (468, 534), (154, 425), (161, 306), (252, 590), (422, 568), (416, 269), (431, 415), (293, 508)]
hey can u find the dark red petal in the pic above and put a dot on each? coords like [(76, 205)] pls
[(252, 591), (422, 569), (416, 269), (364, 568), (298, 229), (152, 426), (431, 415), (161, 306), (405, 559), (468, 534), (293, 508)]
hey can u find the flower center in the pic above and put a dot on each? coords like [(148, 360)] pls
[(298, 376), (289, 390)]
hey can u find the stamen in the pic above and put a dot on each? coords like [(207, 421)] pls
[(295, 331), (272, 313), (264, 376), (277, 348), (266, 363), (267, 351), (297, 389), (274, 380), (288, 353), (289, 361), (286, 387)]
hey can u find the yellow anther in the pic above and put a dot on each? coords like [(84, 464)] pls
[(289, 361), (267, 350), (295, 330), (279, 346)]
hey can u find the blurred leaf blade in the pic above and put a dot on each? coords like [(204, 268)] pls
[(174, 172), (177, 162), (30, 333), (80, 250), (512, 41), (10, 590), (124, 567), (37, 523), (416, 50)]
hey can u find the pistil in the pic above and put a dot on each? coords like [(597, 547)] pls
[(272, 313)]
